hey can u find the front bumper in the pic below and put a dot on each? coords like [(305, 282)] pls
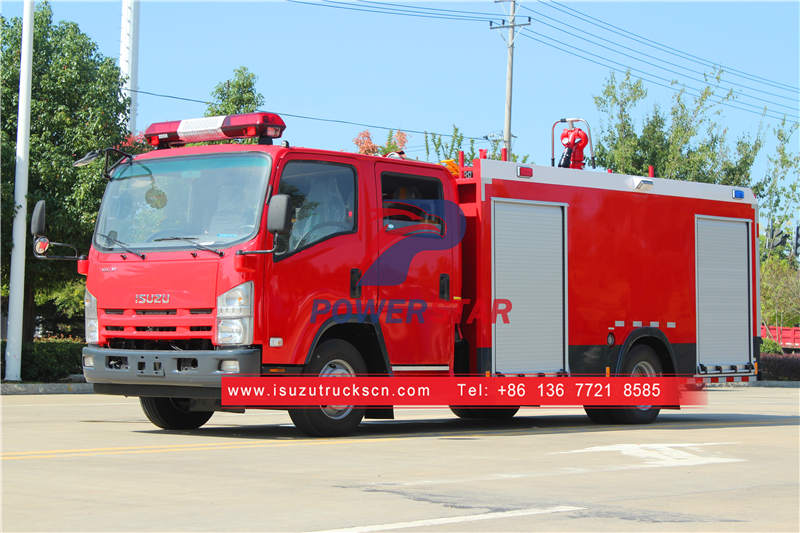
[(167, 368)]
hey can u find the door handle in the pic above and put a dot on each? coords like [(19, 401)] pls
[(444, 286), (355, 288)]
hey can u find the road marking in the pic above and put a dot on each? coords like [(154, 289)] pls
[(10, 405), (662, 455), (454, 519)]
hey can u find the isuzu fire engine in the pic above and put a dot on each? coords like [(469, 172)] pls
[(212, 260)]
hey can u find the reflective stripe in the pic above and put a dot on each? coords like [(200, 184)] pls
[(418, 368)]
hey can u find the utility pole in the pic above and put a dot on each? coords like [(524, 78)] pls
[(512, 26), (129, 55), (16, 293)]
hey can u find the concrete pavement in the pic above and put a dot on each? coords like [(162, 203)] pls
[(94, 463)]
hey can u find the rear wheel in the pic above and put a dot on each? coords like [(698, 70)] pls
[(332, 358), (173, 413), (484, 413), (642, 361)]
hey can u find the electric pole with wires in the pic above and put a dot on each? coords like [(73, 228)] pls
[(512, 27)]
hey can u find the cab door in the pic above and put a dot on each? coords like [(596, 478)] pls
[(316, 263), (416, 286)]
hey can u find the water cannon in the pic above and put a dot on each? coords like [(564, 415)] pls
[(574, 141)]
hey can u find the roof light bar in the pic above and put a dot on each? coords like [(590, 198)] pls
[(178, 132)]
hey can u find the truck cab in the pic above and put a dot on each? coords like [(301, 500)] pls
[(258, 259)]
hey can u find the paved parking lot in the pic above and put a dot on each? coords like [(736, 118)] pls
[(92, 463)]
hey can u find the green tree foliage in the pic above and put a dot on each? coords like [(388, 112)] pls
[(236, 95), (688, 144), (780, 292), (76, 106), (441, 149), (778, 191)]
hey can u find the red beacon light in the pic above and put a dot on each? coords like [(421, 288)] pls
[(265, 126)]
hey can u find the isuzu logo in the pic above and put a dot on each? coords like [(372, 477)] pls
[(151, 298)]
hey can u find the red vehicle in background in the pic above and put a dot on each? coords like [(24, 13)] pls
[(788, 338), (212, 260)]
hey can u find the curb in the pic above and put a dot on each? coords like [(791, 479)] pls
[(769, 383), (46, 388)]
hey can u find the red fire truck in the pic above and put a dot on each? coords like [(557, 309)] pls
[(220, 259)]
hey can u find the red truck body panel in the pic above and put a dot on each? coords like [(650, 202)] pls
[(629, 266)]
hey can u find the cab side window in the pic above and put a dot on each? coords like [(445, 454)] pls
[(322, 203), (411, 203)]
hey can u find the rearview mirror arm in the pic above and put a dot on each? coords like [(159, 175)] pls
[(261, 252), (74, 257)]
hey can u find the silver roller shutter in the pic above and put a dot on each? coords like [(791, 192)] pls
[(528, 270), (723, 292)]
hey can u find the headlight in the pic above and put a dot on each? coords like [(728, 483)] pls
[(237, 302), (235, 315), (90, 313)]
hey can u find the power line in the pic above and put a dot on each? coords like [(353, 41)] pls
[(421, 9), (628, 67), (573, 52), (553, 4), (636, 51), (388, 11), (320, 119), (429, 12)]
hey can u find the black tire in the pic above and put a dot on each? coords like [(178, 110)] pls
[(641, 360), (327, 421), (484, 413), (173, 413), (598, 415)]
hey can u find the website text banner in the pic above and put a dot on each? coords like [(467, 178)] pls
[(461, 391)]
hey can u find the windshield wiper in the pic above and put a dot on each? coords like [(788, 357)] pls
[(192, 240), (122, 245)]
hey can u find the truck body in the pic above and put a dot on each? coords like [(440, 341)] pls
[(788, 338), (553, 271)]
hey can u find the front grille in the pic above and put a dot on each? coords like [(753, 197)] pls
[(156, 311), (159, 329), (159, 344)]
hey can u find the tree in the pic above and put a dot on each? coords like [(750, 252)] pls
[(778, 191), (780, 292), (688, 144), (236, 95), (395, 142), (77, 105), (444, 150)]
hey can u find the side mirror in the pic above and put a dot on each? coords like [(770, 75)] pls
[(42, 244), (37, 219), (278, 215)]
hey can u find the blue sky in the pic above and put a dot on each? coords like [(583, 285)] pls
[(428, 74)]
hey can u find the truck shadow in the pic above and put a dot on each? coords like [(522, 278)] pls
[(521, 425)]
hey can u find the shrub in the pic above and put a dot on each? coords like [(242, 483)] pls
[(49, 359), (780, 366), (770, 346)]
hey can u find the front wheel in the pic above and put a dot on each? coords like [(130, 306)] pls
[(173, 413), (332, 358)]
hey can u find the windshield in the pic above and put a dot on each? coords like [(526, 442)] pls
[(173, 202)]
